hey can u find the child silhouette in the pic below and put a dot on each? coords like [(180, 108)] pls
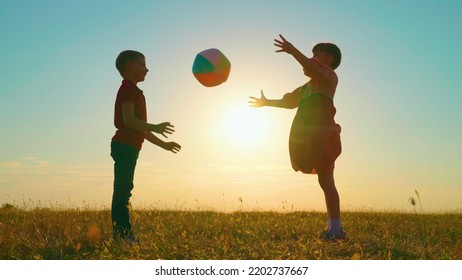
[(132, 128), (314, 141)]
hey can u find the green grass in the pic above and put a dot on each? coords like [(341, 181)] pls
[(81, 234)]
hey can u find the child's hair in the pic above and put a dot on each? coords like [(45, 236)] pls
[(331, 49), (124, 57)]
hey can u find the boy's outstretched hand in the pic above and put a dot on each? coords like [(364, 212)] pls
[(164, 128), (258, 102), (172, 146), (284, 45)]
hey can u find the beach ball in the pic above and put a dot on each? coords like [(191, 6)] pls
[(211, 67)]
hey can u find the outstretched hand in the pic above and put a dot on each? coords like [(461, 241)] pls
[(165, 128), (258, 102), (284, 45), (172, 146)]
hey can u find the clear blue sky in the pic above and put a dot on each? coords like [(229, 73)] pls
[(398, 101)]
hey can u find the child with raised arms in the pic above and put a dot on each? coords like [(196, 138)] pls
[(314, 140)]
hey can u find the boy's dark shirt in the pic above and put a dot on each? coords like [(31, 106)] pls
[(129, 92)]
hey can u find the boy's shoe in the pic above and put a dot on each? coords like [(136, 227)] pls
[(132, 239), (328, 236)]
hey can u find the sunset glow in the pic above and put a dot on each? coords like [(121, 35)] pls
[(401, 129), (245, 127)]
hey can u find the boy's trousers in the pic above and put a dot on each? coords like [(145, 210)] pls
[(125, 158)]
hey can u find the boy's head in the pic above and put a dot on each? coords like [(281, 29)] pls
[(131, 65), (331, 53)]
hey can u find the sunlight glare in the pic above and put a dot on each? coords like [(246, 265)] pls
[(245, 127)]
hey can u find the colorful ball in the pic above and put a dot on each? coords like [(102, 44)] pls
[(211, 67)]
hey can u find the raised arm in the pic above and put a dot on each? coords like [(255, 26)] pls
[(310, 65)]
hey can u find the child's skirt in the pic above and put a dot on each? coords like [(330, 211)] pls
[(314, 142)]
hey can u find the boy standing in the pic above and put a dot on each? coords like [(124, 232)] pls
[(314, 141), (132, 128)]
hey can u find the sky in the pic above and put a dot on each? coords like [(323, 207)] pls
[(398, 102)]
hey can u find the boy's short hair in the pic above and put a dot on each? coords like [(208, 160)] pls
[(124, 57), (331, 49)]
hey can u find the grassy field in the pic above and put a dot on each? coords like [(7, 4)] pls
[(79, 234)]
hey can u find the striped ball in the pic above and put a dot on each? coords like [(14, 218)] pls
[(211, 67)]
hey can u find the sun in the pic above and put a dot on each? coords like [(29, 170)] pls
[(245, 127)]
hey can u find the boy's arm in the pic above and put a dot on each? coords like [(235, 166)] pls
[(310, 65), (128, 113), (169, 146)]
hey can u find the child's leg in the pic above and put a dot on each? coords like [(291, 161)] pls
[(327, 183), (125, 158)]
